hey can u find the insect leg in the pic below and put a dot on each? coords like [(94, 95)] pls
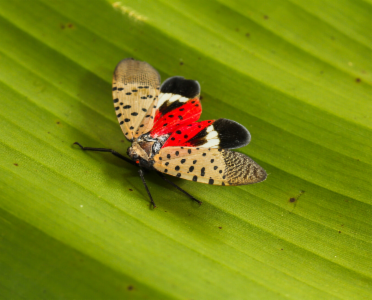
[(107, 150), (177, 187), (140, 171)]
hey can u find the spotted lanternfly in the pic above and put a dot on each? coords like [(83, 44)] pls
[(161, 123)]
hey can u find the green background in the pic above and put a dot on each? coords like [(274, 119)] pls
[(77, 225)]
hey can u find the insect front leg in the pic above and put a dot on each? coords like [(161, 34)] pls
[(107, 150), (141, 173)]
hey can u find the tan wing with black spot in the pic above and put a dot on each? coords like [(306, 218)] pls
[(212, 166), (135, 89)]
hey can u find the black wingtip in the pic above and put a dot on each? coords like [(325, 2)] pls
[(181, 86), (231, 134)]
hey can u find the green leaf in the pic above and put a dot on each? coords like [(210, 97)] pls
[(77, 225)]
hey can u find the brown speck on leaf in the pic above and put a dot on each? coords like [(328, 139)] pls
[(181, 63), (358, 80), (122, 141), (62, 26), (48, 132), (220, 227), (57, 122), (339, 232), (69, 25), (292, 199), (130, 287), (131, 190), (16, 164), (266, 17), (201, 97), (247, 34), (237, 29), (281, 249)]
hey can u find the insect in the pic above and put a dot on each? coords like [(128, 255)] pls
[(161, 123)]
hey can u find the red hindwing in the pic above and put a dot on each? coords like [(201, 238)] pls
[(185, 135), (170, 120)]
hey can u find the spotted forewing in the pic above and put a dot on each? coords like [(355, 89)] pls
[(135, 89)]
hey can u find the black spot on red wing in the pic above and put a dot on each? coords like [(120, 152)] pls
[(180, 117), (177, 168), (202, 173), (173, 138), (178, 175), (182, 109), (195, 178), (191, 169), (192, 102), (167, 163), (170, 116), (189, 151), (178, 132), (183, 161), (177, 153), (165, 124), (168, 156), (211, 181), (194, 162), (185, 136), (215, 167)]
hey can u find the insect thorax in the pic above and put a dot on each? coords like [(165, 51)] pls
[(144, 148)]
